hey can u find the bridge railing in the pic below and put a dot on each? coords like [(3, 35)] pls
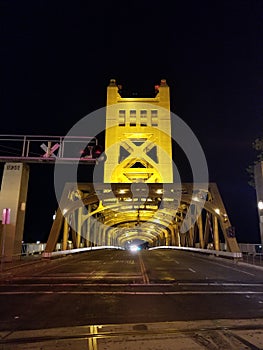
[(249, 248), (252, 253), (36, 248)]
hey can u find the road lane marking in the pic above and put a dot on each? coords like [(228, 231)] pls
[(82, 277), (222, 265), (192, 270), (145, 277), (92, 342), (232, 268), (135, 293), (218, 284), (81, 284)]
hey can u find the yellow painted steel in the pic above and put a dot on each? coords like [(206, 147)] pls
[(201, 234), (138, 137), (79, 230), (216, 233), (138, 150), (65, 235)]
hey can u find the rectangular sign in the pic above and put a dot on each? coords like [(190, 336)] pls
[(6, 216)]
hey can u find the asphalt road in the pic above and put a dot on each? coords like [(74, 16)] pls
[(113, 287)]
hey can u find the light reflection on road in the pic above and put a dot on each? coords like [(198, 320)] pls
[(180, 335)]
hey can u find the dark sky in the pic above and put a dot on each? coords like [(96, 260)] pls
[(57, 58)]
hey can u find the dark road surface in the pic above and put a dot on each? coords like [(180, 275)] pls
[(55, 299)]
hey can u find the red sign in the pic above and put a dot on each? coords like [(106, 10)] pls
[(6, 216)]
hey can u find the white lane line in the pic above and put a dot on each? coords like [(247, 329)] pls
[(192, 270), (232, 268), (134, 293), (217, 284), (229, 267), (88, 275)]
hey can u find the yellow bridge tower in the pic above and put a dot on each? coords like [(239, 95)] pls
[(139, 199), (138, 137)]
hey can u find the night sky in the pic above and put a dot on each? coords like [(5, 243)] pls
[(57, 58)]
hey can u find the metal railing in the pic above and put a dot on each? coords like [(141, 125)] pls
[(35, 148), (251, 248), (252, 253), (35, 248)]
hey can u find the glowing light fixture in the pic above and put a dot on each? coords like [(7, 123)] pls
[(134, 248)]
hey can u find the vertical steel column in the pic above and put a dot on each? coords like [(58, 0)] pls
[(216, 233), (178, 237), (207, 229), (65, 234), (201, 233), (103, 239), (99, 233), (88, 227), (109, 237), (182, 239), (166, 237), (191, 236), (95, 232), (79, 227), (171, 227)]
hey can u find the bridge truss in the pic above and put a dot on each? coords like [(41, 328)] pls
[(116, 214)]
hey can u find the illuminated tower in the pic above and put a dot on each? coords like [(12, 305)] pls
[(138, 199), (138, 137)]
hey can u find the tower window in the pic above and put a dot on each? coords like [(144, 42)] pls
[(154, 117), (132, 117), (122, 118), (143, 117)]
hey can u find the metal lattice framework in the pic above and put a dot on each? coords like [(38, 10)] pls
[(43, 149), (114, 214), (137, 199)]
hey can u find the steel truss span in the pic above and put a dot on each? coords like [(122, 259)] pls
[(118, 214)]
